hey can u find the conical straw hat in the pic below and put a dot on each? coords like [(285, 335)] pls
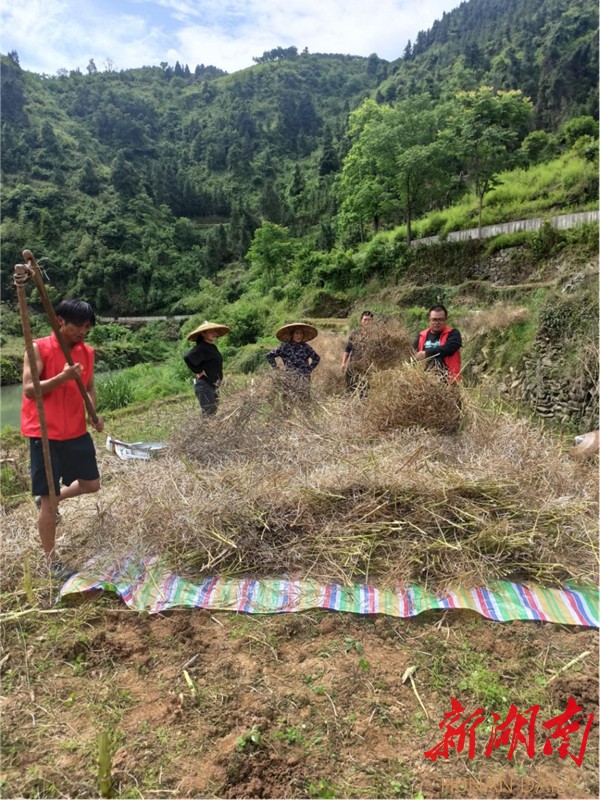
[(284, 334), (220, 330)]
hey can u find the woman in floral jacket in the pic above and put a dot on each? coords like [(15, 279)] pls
[(298, 357)]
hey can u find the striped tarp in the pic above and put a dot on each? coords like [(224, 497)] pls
[(147, 586)]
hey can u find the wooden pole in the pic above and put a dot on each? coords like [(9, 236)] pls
[(21, 274)]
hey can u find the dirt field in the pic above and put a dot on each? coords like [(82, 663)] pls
[(296, 705)]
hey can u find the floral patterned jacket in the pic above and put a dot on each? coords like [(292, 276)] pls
[(298, 357)]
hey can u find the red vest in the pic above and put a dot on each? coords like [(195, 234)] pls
[(452, 362), (63, 406)]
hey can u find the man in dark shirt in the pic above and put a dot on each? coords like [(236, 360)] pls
[(351, 355), (439, 345), (206, 362)]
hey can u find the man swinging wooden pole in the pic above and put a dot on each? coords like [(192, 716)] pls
[(58, 372), (36, 274)]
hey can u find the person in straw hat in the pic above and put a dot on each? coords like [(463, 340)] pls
[(206, 362), (298, 357)]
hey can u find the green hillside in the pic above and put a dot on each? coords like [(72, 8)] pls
[(136, 187)]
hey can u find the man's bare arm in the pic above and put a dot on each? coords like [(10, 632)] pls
[(68, 373)]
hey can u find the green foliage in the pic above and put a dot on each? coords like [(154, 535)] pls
[(13, 485), (484, 129), (142, 383), (249, 740), (586, 147), (424, 296), (114, 391), (118, 347), (575, 128), (549, 49), (111, 332), (378, 259), (484, 686), (505, 241), (394, 165), (563, 183), (11, 368), (545, 241), (247, 359), (586, 235), (333, 273), (564, 315), (245, 318), (322, 789), (539, 146), (322, 303), (10, 320), (271, 253)]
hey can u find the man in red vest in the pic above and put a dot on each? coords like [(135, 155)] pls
[(439, 345), (71, 447)]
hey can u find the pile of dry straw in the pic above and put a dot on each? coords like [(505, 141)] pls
[(342, 488)]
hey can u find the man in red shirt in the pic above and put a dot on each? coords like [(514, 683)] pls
[(439, 345), (71, 447)]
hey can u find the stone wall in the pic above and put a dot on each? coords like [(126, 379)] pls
[(554, 387)]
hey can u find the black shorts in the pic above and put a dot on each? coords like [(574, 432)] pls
[(72, 460)]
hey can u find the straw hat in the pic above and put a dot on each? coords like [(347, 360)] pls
[(285, 334), (220, 330)]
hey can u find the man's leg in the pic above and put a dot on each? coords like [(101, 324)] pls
[(80, 470), (39, 488), (47, 527), (79, 487)]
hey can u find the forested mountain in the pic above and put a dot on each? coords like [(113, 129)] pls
[(136, 186), (546, 48)]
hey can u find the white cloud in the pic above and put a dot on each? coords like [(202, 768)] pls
[(54, 34)]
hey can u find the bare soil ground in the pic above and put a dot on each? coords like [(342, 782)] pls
[(296, 705)]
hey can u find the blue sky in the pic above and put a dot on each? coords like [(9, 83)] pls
[(50, 35)]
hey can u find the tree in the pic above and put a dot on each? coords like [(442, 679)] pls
[(271, 206), (577, 127), (12, 90), (539, 146), (330, 161), (485, 129), (361, 185), (276, 54), (271, 252), (393, 166), (241, 229), (88, 179), (298, 183), (124, 177)]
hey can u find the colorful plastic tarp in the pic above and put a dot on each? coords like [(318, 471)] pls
[(146, 585)]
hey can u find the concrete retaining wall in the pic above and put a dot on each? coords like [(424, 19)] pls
[(561, 222)]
